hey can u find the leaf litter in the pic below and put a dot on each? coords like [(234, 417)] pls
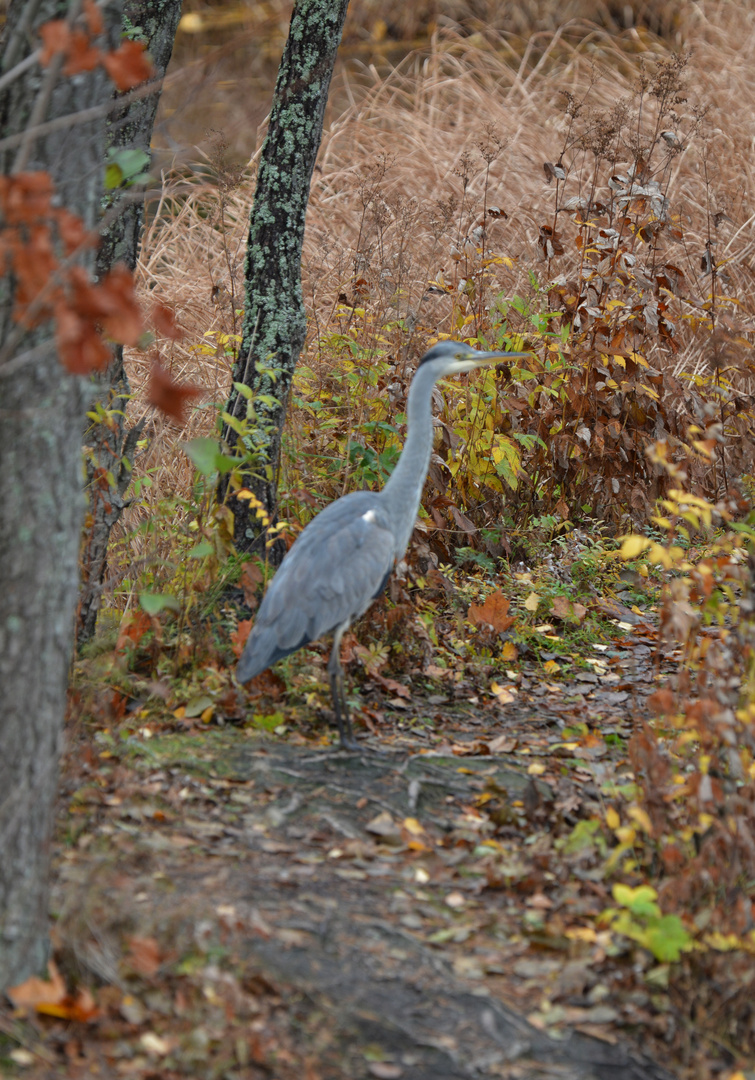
[(234, 905)]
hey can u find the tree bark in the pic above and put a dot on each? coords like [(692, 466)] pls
[(110, 447), (41, 416), (274, 327)]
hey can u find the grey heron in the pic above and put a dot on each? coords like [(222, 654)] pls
[(342, 560)]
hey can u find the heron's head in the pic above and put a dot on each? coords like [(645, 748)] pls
[(452, 357)]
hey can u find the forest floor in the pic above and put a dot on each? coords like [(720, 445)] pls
[(232, 903)]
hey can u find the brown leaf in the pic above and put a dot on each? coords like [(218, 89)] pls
[(163, 319), (81, 54), (35, 991), (134, 626), (93, 18), (502, 744), (144, 955), (463, 521), (251, 576), (129, 65), (55, 37), (240, 635), (80, 346), (567, 610), (662, 702), (494, 612), (169, 396)]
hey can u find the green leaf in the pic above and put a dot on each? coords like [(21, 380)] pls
[(205, 454), (154, 603), (200, 550), (668, 939)]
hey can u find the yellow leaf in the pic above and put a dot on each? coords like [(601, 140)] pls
[(413, 826), (536, 769), (636, 813), (206, 716), (550, 667), (626, 834), (581, 933), (532, 601), (504, 694), (633, 546), (612, 818), (509, 652)]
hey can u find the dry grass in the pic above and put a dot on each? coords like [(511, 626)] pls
[(388, 203)]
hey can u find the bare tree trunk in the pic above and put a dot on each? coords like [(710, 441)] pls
[(275, 327), (110, 447), (41, 416)]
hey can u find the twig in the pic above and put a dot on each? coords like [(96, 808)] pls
[(83, 117), (42, 100)]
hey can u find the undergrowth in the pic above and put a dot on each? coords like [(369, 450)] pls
[(624, 268)]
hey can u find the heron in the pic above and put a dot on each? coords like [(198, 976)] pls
[(344, 557)]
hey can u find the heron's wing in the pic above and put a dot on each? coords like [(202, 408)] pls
[(338, 565)]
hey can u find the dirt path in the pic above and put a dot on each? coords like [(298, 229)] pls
[(252, 907)]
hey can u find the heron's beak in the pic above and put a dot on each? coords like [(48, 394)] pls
[(475, 358)]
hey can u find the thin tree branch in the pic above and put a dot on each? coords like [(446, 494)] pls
[(42, 101), (84, 116)]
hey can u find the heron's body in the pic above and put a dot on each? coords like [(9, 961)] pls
[(344, 557)]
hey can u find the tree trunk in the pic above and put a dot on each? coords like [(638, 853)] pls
[(275, 326), (41, 416), (110, 448)]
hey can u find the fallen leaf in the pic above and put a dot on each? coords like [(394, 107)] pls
[(502, 744), (532, 601), (493, 612), (383, 825), (144, 955), (35, 991), (567, 610), (385, 1070)]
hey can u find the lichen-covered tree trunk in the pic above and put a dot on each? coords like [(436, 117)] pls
[(110, 448), (274, 326), (41, 417)]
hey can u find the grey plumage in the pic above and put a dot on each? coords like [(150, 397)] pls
[(344, 557)]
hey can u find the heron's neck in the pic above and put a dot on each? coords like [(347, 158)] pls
[(401, 495)]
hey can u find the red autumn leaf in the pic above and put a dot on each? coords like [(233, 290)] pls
[(239, 636), (26, 197), (133, 627), (93, 17), (80, 347), (129, 65), (494, 612), (124, 323), (112, 304), (55, 38), (164, 321), (169, 396), (81, 54), (144, 955), (72, 231)]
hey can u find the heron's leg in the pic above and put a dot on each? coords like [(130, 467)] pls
[(335, 671)]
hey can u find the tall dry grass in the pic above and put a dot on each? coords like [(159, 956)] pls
[(401, 181)]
